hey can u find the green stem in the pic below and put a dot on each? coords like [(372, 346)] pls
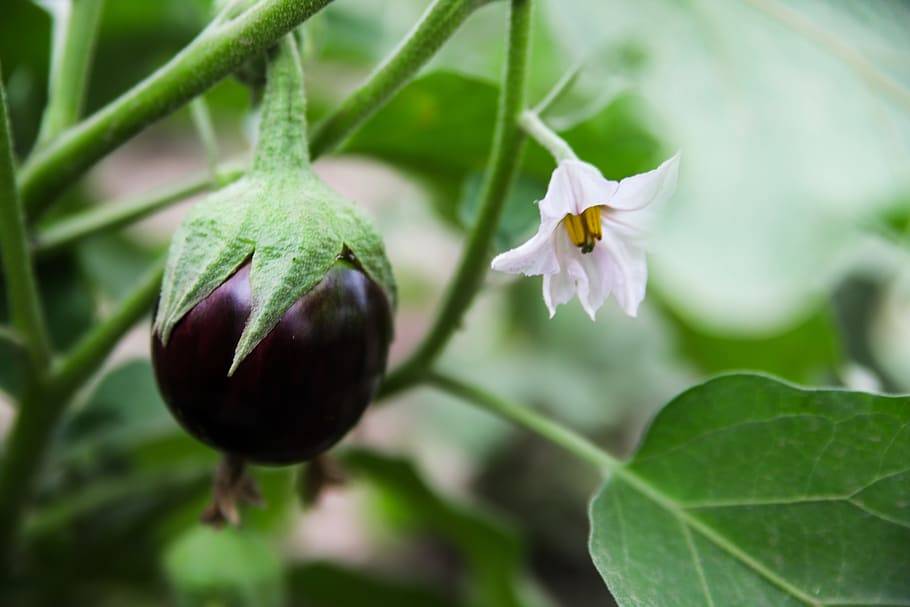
[(212, 55), (45, 402), (546, 137), (437, 25), (202, 120), (112, 215), (527, 418), (564, 84), (75, 31), (21, 288), (508, 143), (282, 141)]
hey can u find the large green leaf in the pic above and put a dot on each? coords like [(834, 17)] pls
[(808, 351), (324, 584), (493, 553), (792, 118), (232, 567), (748, 491)]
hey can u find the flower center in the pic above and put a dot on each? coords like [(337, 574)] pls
[(584, 230)]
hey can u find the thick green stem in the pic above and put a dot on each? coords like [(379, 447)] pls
[(75, 30), (215, 53), (508, 143), (526, 417), (282, 142), (44, 403), (18, 272), (437, 25), (211, 56), (113, 215)]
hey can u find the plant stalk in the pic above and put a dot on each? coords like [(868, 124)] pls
[(215, 53), (75, 31), (526, 417), (546, 137), (437, 25), (44, 403), (282, 141), (112, 215), (508, 144), (18, 272)]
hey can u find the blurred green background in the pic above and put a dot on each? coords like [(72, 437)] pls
[(784, 251)]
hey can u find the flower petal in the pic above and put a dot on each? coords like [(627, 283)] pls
[(557, 289), (536, 256), (627, 269), (639, 191), (591, 188), (598, 269), (587, 274), (575, 186), (559, 200)]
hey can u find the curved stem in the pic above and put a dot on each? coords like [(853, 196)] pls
[(437, 25), (45, 401), (503, 164), (211, 56), (21, 288), (112, 215), (75, 31), (526, 417), (547, 137)]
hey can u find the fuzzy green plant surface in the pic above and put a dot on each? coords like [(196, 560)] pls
[(281, 216)]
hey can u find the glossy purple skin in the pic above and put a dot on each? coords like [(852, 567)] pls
[(300, 390)]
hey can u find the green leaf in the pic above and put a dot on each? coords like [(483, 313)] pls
[(748, 491), (439, 123), (493, 553), (519, 215), (324, 584), (809, 351), (226, 567), (69, 308), (792, 120), (111, 263)]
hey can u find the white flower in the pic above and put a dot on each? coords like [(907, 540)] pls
[(591, 236)]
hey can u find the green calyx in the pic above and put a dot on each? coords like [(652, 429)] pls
[(281, 216)]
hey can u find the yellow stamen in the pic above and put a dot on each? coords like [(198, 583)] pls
[(591, 216), (585, 229), (576, 230)]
